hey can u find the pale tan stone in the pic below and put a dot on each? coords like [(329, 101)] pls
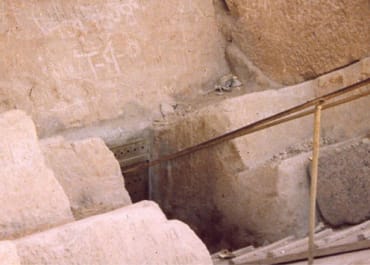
[(72, 64), (330, 82), (292, 41), (138, 234), (31, 197), (89, 174), (350, 119), (252, 77), (343, 193), (8, 253), (197, 185), (365, 67), (341, 78), (269, 202)]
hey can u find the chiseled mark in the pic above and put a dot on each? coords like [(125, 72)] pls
[(54, 21), (105, 16), (88, 56), (36, 20), (127, 10), (110, 57), (63, 107), (133, 48), (108, 15)]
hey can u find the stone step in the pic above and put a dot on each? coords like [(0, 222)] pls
[(135, 234), (31, 197), (335, 242), (89, 174)]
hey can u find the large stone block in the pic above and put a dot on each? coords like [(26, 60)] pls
[(344, 182), (190, 188), (89, 174), (341, 78), (8, 253), (252, 78), (292, 41), (350, 119), (135, 235), (31, 197), (266, 203), (82, 62)]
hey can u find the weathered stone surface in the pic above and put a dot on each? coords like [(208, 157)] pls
[(71, 63), (136, 234), (8, 253), (344, 183), (89, 174), (31, 197), (190, 188), (365, 67), (292, 41), (266, 203), (341, 78), (252, 77), (351, 119)]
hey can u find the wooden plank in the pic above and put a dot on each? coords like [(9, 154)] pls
[(313, 188), (298, 245), (261, 252), (343, 234), (321, 252), (243, 250)]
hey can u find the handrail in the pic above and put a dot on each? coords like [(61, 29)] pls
[(261, 124)]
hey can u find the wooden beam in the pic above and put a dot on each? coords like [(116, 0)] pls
[(319, 253), (313, 189)]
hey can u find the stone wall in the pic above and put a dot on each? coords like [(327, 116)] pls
[(73, 63), (295, 40), (253, 188), (89, 174)]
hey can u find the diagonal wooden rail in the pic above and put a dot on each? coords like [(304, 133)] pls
[(281, 117)]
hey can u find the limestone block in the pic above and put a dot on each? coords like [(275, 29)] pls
[(8, 253), (135, 235), (344, 183), (266, 203), (330, 83), (365, 67), (89, 174), (350, 119), (80, 63), (31, 197), (192, 184), (292, 41), (253, 78), (341, 78)]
